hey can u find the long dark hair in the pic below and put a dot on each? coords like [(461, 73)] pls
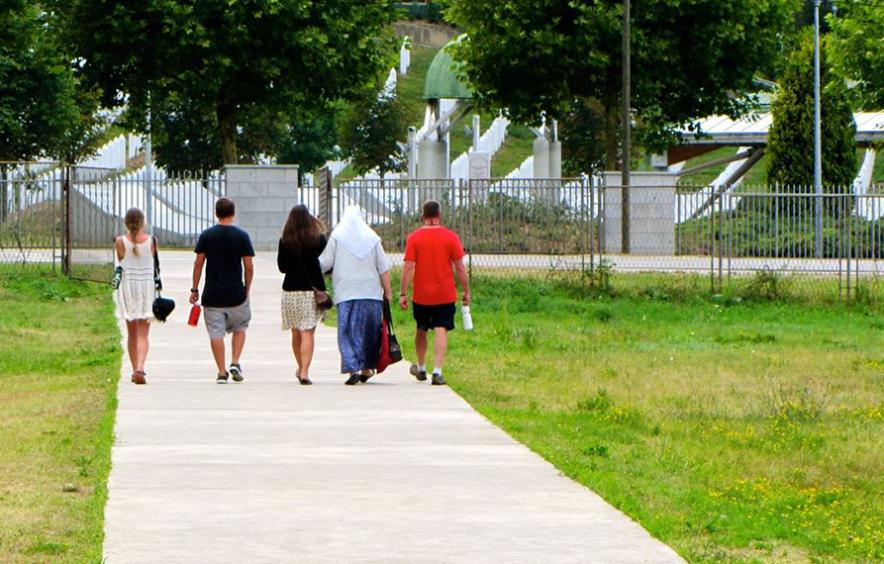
[(301, 230)]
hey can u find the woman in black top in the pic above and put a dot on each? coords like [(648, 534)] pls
[(299, 248)]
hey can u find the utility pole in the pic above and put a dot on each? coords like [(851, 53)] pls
[(624, 178), (817, 137)]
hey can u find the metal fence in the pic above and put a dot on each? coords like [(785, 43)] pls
[(31, 215), (507, 225)]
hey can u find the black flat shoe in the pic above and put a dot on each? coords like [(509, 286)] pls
[(305, 381), (353, 380), (364, 377)]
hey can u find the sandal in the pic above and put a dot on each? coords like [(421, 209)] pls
[(303, 381), (138, 377)]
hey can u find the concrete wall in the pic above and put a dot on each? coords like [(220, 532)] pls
[(425, 33), (263, 194), (652, 213)]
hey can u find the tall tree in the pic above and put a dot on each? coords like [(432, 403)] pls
[(368, 132), (857, 48), (224, 62), (790, 142), (690, 58), (37, 99)]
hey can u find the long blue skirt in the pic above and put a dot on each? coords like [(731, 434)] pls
[(359, 334)]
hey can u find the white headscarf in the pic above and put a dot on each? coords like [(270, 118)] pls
[(354, 234)]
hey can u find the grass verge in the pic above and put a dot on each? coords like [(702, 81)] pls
[(59, 364), (738, 428)]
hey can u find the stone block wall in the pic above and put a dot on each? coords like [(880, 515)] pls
[(263, 194), (652, 213)]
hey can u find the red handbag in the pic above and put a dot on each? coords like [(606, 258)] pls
[(390, 352)]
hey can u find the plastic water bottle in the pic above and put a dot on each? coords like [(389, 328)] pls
[(467, 318), (118, 275)]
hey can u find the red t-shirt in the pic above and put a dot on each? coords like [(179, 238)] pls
[(433, 249)]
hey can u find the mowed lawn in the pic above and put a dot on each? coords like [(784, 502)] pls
[(732, 429), (59, 364)]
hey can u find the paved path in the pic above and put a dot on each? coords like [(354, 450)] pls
[(270, 471)]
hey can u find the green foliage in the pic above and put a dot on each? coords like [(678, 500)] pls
[(790, 144), (37, 101), (310, 142), (531, 56), (857, 51), (582, 133), (427, 11), (225, 72), (369, 130)]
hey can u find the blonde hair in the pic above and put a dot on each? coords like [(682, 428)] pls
[(134, 221)]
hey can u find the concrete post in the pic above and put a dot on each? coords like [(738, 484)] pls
[(541, 157), (264, 195), (651, 213)]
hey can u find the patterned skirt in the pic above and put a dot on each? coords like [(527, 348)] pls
[(299, 311), (359, 334)]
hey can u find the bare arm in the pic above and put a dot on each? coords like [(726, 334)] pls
[(385, 282), (120, 248), (407, 275), (464, 279), (249, 267), (197, 274)]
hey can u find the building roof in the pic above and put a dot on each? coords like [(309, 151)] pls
[(752, 129), (442, 81)]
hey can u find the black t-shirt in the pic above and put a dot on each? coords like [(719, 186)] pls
[(224, 247), (293, 265)]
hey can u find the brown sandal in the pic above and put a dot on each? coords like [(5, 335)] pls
[(139, 377)]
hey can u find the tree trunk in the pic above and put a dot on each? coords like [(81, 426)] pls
[(612, 122), (227, 127)]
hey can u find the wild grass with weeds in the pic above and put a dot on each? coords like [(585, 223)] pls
[(59, 365)]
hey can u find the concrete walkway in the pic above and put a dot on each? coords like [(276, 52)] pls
[(270, 471)]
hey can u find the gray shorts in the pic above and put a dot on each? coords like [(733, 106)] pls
[(222, 320)]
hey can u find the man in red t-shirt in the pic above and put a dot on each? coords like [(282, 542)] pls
[(430, 253)]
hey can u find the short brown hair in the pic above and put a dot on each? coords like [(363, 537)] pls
[(432, 209), (224, 208)]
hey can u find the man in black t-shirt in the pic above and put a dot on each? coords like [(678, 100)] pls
[(227, 251)]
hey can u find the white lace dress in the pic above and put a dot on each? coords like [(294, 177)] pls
[(135, 295)]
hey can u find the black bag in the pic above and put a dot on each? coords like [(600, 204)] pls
[(390, 352), (162, 307)]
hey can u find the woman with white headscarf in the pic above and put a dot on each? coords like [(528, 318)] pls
[(361, 279)]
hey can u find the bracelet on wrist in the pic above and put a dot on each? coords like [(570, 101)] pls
[(192, 290)]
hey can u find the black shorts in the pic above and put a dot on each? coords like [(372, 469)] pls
[(432, 316)]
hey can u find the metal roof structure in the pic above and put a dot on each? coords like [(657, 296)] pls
[(752, 130)]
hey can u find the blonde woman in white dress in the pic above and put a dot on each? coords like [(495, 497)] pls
[(135, 295)]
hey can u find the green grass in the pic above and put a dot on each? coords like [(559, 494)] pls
[(878, 171), (518, 146), (734, 428), (59, 364), (411, 86), (706, 176)]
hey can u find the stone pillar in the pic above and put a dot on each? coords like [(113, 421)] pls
[(651, 213), (541, 157), (264, 195)]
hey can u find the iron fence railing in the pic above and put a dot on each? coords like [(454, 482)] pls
[(506, 225)]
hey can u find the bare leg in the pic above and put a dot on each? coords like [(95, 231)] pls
[(420, 346), (296, 349), (143, 342), (306, 348), (218, 353), (440, 346), (132, 343), (239, 340)]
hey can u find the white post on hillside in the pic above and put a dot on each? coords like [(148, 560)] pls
[(477, 124)]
